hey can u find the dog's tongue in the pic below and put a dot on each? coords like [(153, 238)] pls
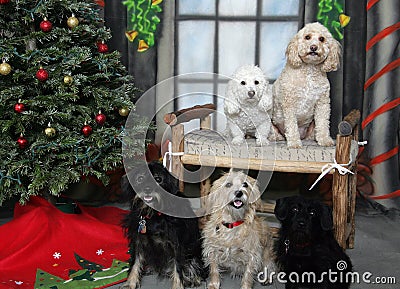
[(148, 198), (237, 203)]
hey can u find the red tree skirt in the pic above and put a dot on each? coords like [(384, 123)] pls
[(43, 245)]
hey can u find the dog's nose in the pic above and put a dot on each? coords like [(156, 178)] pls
[(251, 93), (301, 223), (238, 194), (313, 48), (147, 190)]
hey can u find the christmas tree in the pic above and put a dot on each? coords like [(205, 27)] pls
[(64, 97)]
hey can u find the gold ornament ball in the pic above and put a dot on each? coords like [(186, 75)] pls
[(68, 79), (123, 111), (72, 22), (50, 131), (5, 68)]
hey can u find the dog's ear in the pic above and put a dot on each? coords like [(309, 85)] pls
[(332, 62), (231, 105), (292, 53), (281, 209), (326, 218)]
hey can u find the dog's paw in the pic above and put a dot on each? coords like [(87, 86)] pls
[(213, 286), (294, 144), (127, 286), (237, 140), (325, 141)]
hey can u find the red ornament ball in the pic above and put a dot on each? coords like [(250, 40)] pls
[(46, 25), (102, 47), (100, 118), (87, 130), (22, 142), (4, 1), (42, 74), (19, 107)]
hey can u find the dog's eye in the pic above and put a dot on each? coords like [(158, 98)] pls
[(139, 179), (322, 39), (307, 37), (228, 185), (312, 213), (256, 82), (243, 82), (295, 210), (245, 185), (158, 179)]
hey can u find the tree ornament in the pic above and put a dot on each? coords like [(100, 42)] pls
[(5, 68), (19, 107), (87, 130), (22, 142), (50, 131), (72, 21), (46, 25), (102, 47), (68, 80), (4, 2), (42, 74), (123, 111), (100, 118)]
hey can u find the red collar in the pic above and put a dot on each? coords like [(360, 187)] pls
[(232, 225), (148, 217)]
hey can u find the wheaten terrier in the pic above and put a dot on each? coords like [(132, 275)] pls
[(234, 237)]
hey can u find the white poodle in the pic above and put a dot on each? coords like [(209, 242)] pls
[(248, 104), (302, 91)]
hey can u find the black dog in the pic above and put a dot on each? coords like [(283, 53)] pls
[(306, 244), (165, 244)]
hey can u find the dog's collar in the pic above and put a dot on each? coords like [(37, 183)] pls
[(233, 225), (148, 217), (297, 246)]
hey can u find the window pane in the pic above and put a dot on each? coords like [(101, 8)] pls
[(195, 46), (237, 7), (280, 7), (275, 36), (221, 118), (202, 7), (236, 45), (190, 94)]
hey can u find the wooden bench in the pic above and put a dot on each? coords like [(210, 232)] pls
[(207, 148)]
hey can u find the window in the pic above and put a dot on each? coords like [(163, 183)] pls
[(215, 37)]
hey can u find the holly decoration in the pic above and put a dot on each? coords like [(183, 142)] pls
[(143, 22), (5, 68), (42, 74), (72, 21), (22, 142), (4, 2), (100, 118), (87, 130), (102, 47), (46, 25), (123, 111), (19, 107)]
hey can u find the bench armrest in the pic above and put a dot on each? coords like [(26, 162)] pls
[(187, 114)]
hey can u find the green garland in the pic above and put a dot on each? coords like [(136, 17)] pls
[(331, 15), (143, 22)]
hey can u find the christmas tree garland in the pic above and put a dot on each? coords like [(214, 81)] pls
[(143, 22)]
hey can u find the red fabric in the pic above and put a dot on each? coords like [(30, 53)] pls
[(41, 236)]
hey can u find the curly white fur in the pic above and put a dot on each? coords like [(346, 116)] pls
[(302, 91), (248, 105)]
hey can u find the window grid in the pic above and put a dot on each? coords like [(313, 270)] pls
[(258, 19)]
